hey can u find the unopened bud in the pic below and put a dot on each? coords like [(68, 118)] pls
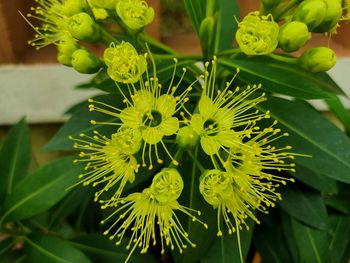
[(317, 59), (86, 62), (311, 12), (333, 14), (66, 48), (72, 7), (206, 34), (187, 138), (83, 27), (293, 35)]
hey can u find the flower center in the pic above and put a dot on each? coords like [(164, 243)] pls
[(152, 118), (211, 126)]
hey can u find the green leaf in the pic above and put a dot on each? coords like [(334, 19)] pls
[(80, 123), (312, 134), (196, 10), (100, 249), (15, 156), (313, 244), (226, 25), (341, 201), (278, 77), (40, 191), (340, 236), (306, 206), (48, 249), (225, 249), (322, 183), (337, 107), (6, 245), (289, 236), (271, 245)]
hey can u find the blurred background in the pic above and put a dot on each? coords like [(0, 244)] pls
[(33, 85)]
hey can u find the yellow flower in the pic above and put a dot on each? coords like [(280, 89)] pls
[(257, 35), (124, 63), (54, 24), (134, 13), (223, 112), (150, 109), (143, 213), (109, 162)]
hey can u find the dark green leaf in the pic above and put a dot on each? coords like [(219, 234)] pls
[(322, 183), (15, 156), (196, 10), (100, 249), (48, 249), (341, 201), (226, 250), (306, 206), (313, 244), (80, 123), (280, 78), (271, 245), (340, 236), (6, 245), (40, 191), (289, 237), (312, 134), (226, 25), (337, 107)]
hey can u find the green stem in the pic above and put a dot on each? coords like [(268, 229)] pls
[(284, 59), (283, 8), (178, 56), (229, 52), (156, 43), (107, 37), (195, 161)]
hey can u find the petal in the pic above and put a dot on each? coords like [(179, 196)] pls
[(170, 126), (131, 117), (206, 106), (143, 100), (152, 135), (210, 145), (197, 123), (228, 138), (166, 105)]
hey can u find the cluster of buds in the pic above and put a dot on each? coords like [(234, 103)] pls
[(297, 20)]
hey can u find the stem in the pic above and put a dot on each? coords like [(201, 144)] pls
[(284, 59), (283, 8), (229, 52), (195, 161), (107, 37), (178, 56)]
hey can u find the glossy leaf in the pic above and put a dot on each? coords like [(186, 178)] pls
[(100, 249), (49, 249), (41, 190), (340, 236), (80, 123), (290, 237), (313, 244), (225, 249), (322, 183), (337, 107), (281, 78), (341, 201), (312, 134), (15, 156), (306, 206)]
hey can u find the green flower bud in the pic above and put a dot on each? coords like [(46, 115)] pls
[(99, 13), (257, 35), (317, 59), (311, 12), (107, 4), (187, 138), (86, 62), (271, 3), (135, 14), (206, 33), (83, 27), (72, 7), (293, 35), (333, 14), (66, 48), (124, 63), (167, 185)]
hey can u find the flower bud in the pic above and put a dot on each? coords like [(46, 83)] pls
[(293, 35), (257, 35), (72, 7), (128, 140), (317, 59), (333, 14), (107, 4), (311, 12), (167, 185), (206, 33), (135, 14), (86, 62), (124, 63), (83, 27), (99, 13), (66, 48), (187, 138)]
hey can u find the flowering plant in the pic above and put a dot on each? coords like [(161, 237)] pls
[(183, 156)]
